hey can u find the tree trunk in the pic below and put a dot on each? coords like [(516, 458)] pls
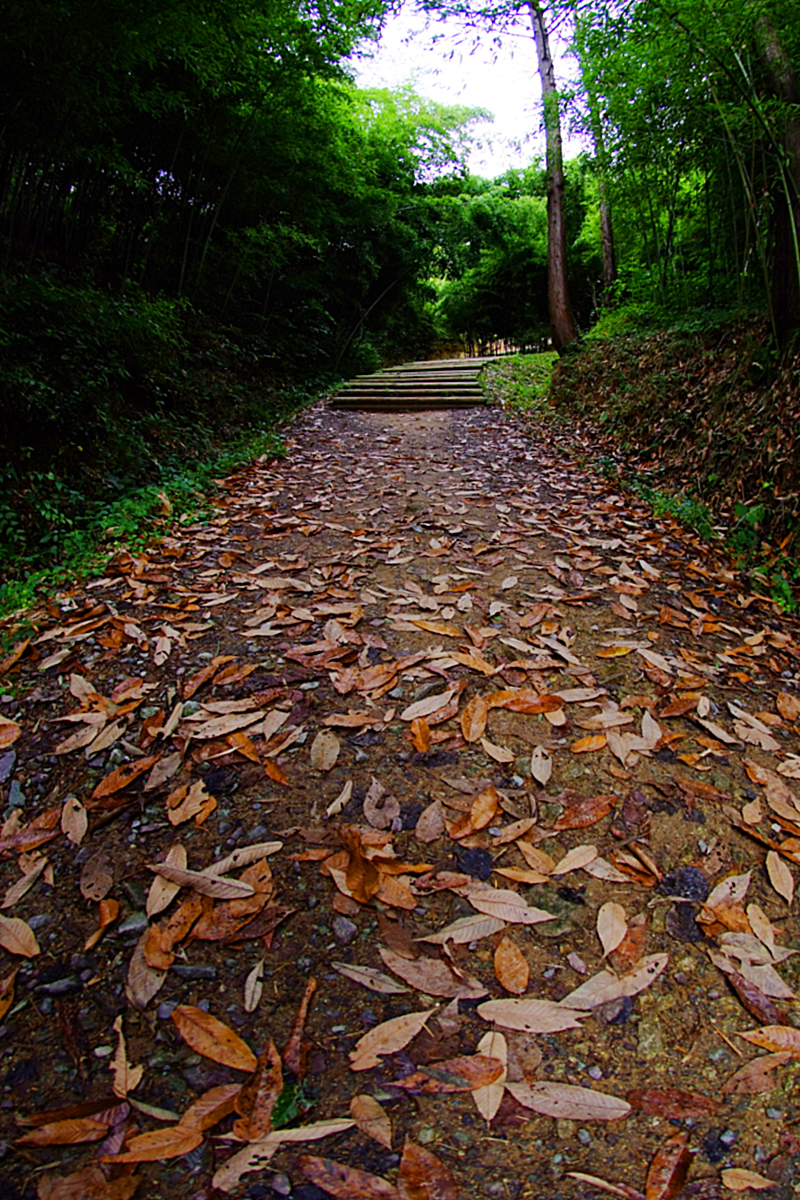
[(786, 265), (562, 322)]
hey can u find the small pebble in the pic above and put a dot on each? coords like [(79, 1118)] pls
[(135, 922), (192, 974), (281, 1185), (714, 994), (584, 1137), (165, 1009), (775, 1114), (595, 1073), (344, 930)]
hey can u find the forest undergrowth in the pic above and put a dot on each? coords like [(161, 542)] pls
[(699, 422)]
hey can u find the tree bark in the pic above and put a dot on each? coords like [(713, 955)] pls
[(786, 266), (562, 322)]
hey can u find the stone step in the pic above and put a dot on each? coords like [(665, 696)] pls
[(414, 387)]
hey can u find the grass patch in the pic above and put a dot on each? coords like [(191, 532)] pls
[(521, 382)]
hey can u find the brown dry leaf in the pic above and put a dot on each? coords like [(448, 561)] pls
[(369, 978), (97, 876), (9, 732), (541, 765), (586, 744), (347, 1183), (17, 937), (632, 947), (325, 750), (580, 812), (162, 939), (568, 1102), (123, 776), (775, 1038), (421, 735), (739, 1179), (68, 1132), (484, 807), (431, 976), (107, 915), (220, 887), (466, 929), (143, 981), (126, 1077), (788, 706), (504, 904), (159, 1144), (604, 986), (428, 706), (187, 801), (489, 1097), (257, 1154), (162, 892), (531, 1016), (422, 1176), (378, 808), (295, 1051), (614, 651), (89, 1183), (253, 987), (755, 1077), (209, 1037), (202, 676), (371, 1119), (672, 1103), (612, 926), (622, 1190), (780, 876), (387, 1038), (511, 966), (213, 1106), (430, 825), (34, 866), (668, 1168), (7, 991), (575, 859), (499, 753), (256, 1098), (462, 1074), (74, 821), (473, 719)]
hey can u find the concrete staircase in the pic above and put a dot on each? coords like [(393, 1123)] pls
[(415, 387)]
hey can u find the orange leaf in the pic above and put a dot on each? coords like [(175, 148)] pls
[(421, 734), (273, 770), (65, 1133), (211, 1107), (213, 1040), (775, 1038), (596, 742), (15, 655), (473, 719), (123, 775), (202, 676), (511, 966), (9, 732), (257, 1097), (172, 1142), (423, 1176), (668, 1168), (614, 651)]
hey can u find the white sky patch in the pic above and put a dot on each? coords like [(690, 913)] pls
[(454, 70)]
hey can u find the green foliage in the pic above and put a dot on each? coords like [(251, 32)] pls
[(521, 383)]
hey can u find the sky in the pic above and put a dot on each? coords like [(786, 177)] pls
[(452, 70)]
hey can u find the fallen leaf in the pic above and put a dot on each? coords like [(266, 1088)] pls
[(126, 1077), (672, 1103), (585, 745), (17, 937), (428, 706), (668, 1168), (220, 887), (347, 1183), (209, 1037), (159, 1144), (775, 1038), (541, 765), (97, 876), (531, 1016), (69, 1132), (511, 966), (23, 885), (325, 751), (473, 719), (368, 977), (9, 732), (421, 735), (739, 1179), (89, 1183), (7, 991), (498, 753), (489, 1097), (213, 1106), (422, 1176), (780, 876), (371, 1119), (430, 825), (256, 1098), (788, 706), (123, 776), (755, 1077), (74, 821), (387, 1038), (612, 926), (162, 891), (257, 1154), (462, 1074), (431, 976), (565, 1101), (466, 929), (253, 987), (574, 859), (143, 981), (603, 987)]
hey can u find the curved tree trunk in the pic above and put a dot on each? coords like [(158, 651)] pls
[(562, 322)]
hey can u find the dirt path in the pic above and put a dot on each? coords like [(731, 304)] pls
[(443, 679)]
